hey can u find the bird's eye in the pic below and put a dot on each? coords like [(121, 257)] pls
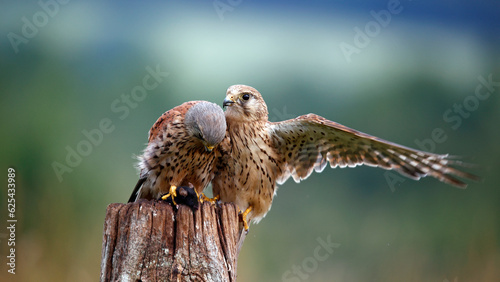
[(246, 97)]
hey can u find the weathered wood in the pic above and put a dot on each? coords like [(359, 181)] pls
[(153, 241)]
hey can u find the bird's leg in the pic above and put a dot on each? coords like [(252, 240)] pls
[(171, 193), (244, 217), (207, 199)]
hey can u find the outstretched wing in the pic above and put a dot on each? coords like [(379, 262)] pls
[(308, 142)]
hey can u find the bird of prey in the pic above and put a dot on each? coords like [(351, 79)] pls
[(180, 151), (257, 154)]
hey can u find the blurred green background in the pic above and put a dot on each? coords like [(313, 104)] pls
[(66, 67)]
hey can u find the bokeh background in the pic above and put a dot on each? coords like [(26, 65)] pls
[(79, 61)]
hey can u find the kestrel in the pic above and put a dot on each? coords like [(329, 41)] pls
[(258, 154), (180, 151)]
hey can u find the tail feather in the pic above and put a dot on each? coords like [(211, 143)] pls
[(135, 193)]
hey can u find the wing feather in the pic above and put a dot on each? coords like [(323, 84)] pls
[(308, 142)]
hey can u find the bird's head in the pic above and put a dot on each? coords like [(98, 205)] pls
[(206, 121), (244, 103)]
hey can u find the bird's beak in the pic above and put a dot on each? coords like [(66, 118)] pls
[(209, 148), (228, 101)]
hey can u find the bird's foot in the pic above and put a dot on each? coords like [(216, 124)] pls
[(244, 217), (213, 200), (184, 195), (171, 193)]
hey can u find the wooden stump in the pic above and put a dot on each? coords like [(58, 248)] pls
[(153, 241)]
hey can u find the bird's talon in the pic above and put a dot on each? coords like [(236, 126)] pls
[(171, 193), (213, 200), (244, 218)]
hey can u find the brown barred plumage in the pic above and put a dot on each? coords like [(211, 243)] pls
[(179, 152)]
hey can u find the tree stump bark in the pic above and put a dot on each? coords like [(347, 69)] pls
[(153, 241)]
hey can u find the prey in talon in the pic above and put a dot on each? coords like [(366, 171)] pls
[(184, 195), (181, 153)]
